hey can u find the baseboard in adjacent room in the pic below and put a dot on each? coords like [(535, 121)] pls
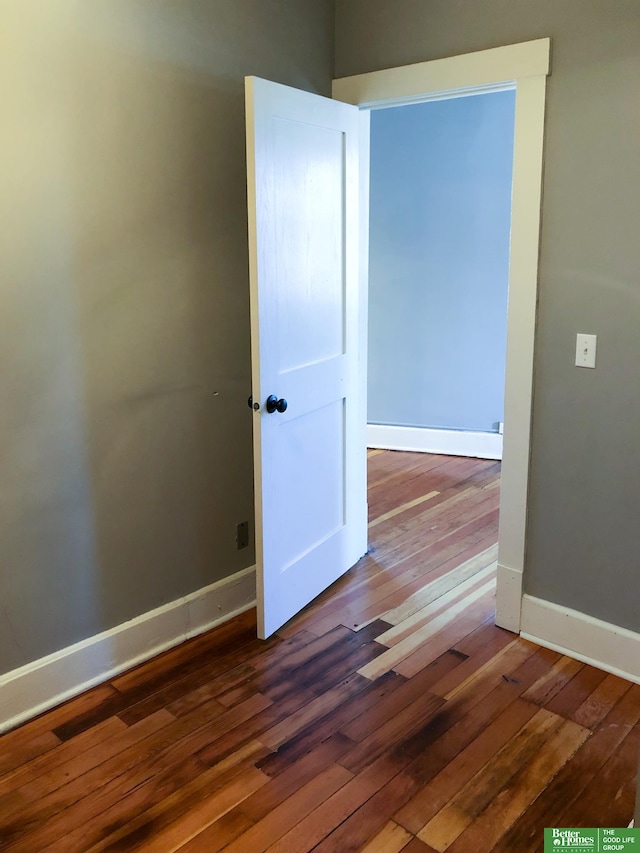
[(450, 442), (44, 683), (601, 644)]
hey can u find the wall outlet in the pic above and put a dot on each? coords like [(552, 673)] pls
[(242, 534)]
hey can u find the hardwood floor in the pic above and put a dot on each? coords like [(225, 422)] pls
[(390, 715)]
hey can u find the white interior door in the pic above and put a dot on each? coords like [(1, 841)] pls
[(309, 458)]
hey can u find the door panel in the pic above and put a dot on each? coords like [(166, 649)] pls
[(313, 442), (307, 187), (302, 157)]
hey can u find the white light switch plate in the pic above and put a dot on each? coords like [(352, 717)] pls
[(586, 350)]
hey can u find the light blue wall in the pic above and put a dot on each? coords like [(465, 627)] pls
[(439, 255)]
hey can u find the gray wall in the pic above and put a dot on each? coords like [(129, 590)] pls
[(440, 216), (582, 530), (125, 436)]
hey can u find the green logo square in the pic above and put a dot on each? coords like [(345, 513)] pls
[(580, 840)]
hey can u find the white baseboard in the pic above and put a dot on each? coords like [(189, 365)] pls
[(450, 442), (38, 686), (601, 644)]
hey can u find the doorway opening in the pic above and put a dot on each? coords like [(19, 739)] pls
[(524, 67), (439, 228)]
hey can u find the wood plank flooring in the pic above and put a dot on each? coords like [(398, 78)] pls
[(391, 715)]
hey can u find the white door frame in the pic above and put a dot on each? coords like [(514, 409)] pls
[(523, 67)]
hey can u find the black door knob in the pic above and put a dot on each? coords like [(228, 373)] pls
[(275, 405)]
